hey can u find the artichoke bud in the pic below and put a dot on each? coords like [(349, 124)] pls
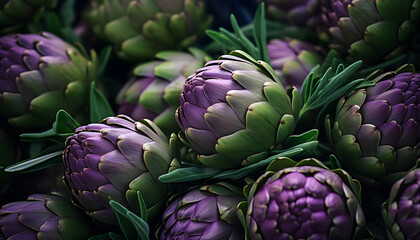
[(293, 60), (301, 13), (39, 75), (153, 91), (375, 134), (370, 30), (114, 159), (139, 29), (205, 212), (400, 212), (303, 201), (234, 111), (44, 216), (15, 15)]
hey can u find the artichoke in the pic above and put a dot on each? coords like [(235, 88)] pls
[(44, 216), (139, 29), (293, 60), (304, 202), (15, 14), (207, 212), (302, 13), (235, 110), (153, 91), (39, 75), (114, 159), (376, 135), (371, 30), (401, 212)]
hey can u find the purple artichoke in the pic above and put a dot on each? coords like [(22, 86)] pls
[(114, 159), (235, 110), (39, 75), (43, 217), (302, 13), (153, 91), (293, 60), (371, 30), (402, 211), (376, 134), (304, 202), (208, 212)]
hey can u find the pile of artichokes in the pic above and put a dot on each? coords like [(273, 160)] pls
[(205, 119)]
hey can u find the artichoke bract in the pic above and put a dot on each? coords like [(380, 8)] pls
[(376, 135), (139, 29), (302, 13), (43, 217), (208, 212), (371, 30), (303, 202), (234, 111), (15, 14), (39, 75), (293, 60), (113, 160), (401, 212), (153, 91)]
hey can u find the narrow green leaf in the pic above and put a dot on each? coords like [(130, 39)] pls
[(66, 13), (248, 45), (103, 59), (37, 163), (107, 236), (309, 136), (188, 174), (260, 33), (129, 231), (132, 226), (99, 105), (64, 123), (142, 206), (236, 174), (141, 226), (48, 135)]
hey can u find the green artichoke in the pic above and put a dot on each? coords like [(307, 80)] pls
[(402, 211), (139, 29), (234, 111), (371, 30), (153, 91), (207, 212), (43, 217), (114, 159), (376, 133), (15, 14), (305, 201), (39, 75)]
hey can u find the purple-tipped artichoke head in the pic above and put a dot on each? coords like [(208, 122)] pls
[(43, 217), (114, 159), (234, 110), (153, 91), (293, 60), (371, 30), (39, 75), (208, 212), (304, 202), (376, 133), (402, 211), (139, 29), (16, 14), (302, 13)]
